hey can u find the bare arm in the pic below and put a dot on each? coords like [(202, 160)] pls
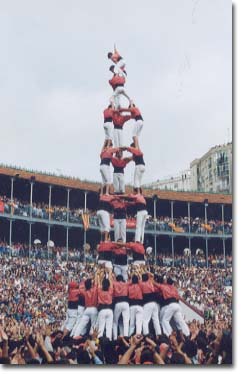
[(41, 344), (5, 343)]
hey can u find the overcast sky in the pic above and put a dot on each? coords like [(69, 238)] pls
[(54, 80)]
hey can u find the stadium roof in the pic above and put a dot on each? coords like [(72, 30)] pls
[(75, 183)]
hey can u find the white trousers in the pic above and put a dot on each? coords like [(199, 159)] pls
[(139, 262), (80, 311), (121, 308), (121, 64), (151, 311), (70, 319), (105, 321), (169, 311), (118, 138), (118, 182), (105, 174), (138, 175), (115, 99), (108, 264), (108, 130), (120, 229), (136, 319), (90, 314), (137, 128), (103, 220), (121, 270), (140, 225)]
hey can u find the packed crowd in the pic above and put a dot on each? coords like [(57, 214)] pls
[(76, 254), (42, 210), (33, 308), (163, 223)]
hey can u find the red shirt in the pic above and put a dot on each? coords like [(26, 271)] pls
[(135, 151), (147, 287), (73, 285), (108, 152), (135, 292), (91, 297), (168, 291), (107, 113), (105, 297), (136, 247), (120, 289), (139, 199), (107, 198), (119, 120), (105, 247), (116, 80), (73, 294), (135, 111), (119, 204), (120, 251), (119, 162)]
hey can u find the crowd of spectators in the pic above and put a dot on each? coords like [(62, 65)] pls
[(162, 223), (33, 303), (164, 258)]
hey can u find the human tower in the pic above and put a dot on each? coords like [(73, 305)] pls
[(113, 199), (106, 300)]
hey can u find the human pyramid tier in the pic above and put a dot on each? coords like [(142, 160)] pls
[(113, 199)]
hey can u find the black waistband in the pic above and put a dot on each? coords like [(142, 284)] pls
[(105, 161), (108, 119), (119, 214), (138, 117), (121, 299), (72, 304), (118, 169), (120, 260), (81, 301), (118, 127), (139, 160), (117, 85), (105, 306), (138, 257), (106, 256), (149, 297), (140, 206), (133, 302), (104, 205), (170, 301)]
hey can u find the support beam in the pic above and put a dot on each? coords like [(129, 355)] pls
[(68, 204), (224, 251), (30, 238), (172, 251), (31, 198), (84, 231), (155, 236), (206, 232), (10, 232), (189, 230), (190, 247), (67, 243), (50, 191), (12, 181), (206, 242), (48, 241)]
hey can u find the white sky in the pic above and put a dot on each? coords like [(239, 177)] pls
[(54, 80)]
